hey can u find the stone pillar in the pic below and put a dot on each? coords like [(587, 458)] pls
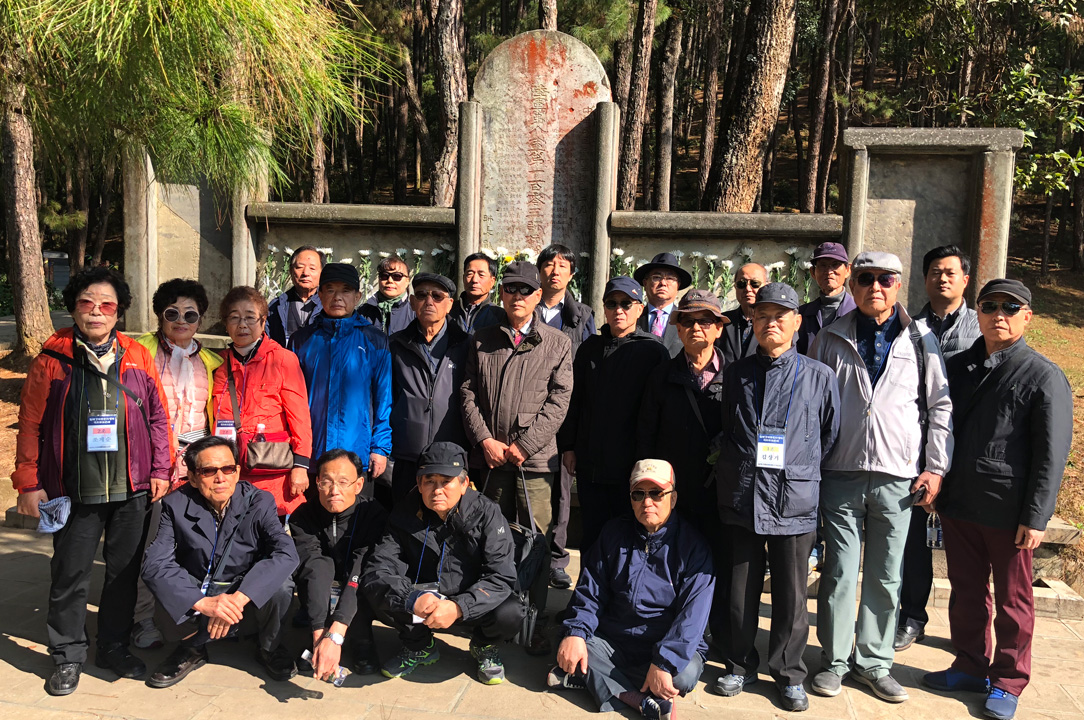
[(468, 190), (608, 123), (140, 238), (989, 244), (244, 246)]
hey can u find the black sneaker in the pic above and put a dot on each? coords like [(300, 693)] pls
[(64, 680), (408, 660), (558, 679), (560, 579), (366, 661), (490, 666), (653, 708), (278, 663), (120, 660)]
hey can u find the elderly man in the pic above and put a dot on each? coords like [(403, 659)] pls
[(894, 446), (297, 307), (662, 279), (831, 269), (446, 560), (1013, 415), (428, 363), (473, 310), (609, 375), (738, 340), (634, 628), (388, 308), (769, 473), (220, 554), (347, 370), (333, 539), (954, 324)]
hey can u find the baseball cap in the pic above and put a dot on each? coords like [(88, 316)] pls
[(1012, 288), (659, 472), (830, 250), (521, 272), (777, 293), (442, 458), (340, 272), (624, 284)]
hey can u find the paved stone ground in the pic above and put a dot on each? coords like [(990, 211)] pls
[(231, 685)]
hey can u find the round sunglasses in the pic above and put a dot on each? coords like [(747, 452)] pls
[(173, 315)]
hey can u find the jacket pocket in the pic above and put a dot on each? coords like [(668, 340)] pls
[(993, 466), (800, 492)]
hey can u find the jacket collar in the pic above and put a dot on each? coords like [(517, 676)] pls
[(652, 541), (846, 326), (784, 360), (333, 326), (1003, 356), (202, 517)]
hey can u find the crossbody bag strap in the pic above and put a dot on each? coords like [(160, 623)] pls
[(68, 360), (920, 358), (233, 396), (696, 407)]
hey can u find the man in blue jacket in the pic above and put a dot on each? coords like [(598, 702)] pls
[(780, 417), (634, 628), (347, 369)]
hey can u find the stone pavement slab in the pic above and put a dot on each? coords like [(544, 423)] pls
[(232, 687)]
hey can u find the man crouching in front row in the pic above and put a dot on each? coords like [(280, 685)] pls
[(221, 553)]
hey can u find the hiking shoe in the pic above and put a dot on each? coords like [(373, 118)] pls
[(794, 699), (955, 681), (884, 687), (653, 708), (731, 685), (558, 679), (560, 579), (408, 660), (1000, 705), (490, 667), (827, 683), (146, 636)]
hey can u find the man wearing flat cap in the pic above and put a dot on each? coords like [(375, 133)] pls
[(894, 446), (428, 363), (1012, 411), (609, 374), (347, 369), (780, 418), (662, 279), (831, 269)]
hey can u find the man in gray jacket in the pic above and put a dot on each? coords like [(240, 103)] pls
[(894, 447)]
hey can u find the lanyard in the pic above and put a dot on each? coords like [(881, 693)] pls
[(440, 567), (756, 392), (86, 395), (211, 562)]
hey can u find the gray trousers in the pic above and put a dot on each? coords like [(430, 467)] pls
[(609, 673)]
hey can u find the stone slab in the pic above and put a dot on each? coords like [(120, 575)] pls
[(933, 140), (1059, 532), (341, 214), (789, 226)]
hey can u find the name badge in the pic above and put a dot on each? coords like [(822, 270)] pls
[(102, 432), (206, 584), (226, 429), (771, 449), (336, 593)]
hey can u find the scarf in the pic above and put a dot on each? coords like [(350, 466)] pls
[(183, 373), (385, 307), (98, 350)]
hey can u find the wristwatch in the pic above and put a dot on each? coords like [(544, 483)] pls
[(335, 638)]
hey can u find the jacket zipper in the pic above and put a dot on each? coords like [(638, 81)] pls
[(500, 384)]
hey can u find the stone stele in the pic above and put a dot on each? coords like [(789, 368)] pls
[(538, 91)]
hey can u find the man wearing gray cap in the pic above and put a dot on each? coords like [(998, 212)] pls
[(831, 269), (1013, 414), (780, 418), (894, 446)]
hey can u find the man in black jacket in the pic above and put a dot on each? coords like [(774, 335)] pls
[(473, 309), (663, 278), (738, 340), (1013, 424), (333, 538), (447, 558), (609, 375)]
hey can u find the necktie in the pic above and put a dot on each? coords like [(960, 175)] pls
[(657, 327), (517, 338)]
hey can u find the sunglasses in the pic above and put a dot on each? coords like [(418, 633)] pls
[(885, 280), (742, 284), (396, 276), (326, 485), (1009, 308), (87, 307), (688, 322), (173, 315), (437, 295), (614, 304), (210, 471), (655, 495), (513, 289)]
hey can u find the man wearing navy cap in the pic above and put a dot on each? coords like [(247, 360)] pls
[(780, 418), (831, 269), (662, 279), (1013, 415), (609, 375)]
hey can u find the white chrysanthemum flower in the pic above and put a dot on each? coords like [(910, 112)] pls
[(791, 250), (805, 264), (585, 254), (696, 254), (679, 254), (347, 260), (711, 258), (447, 247), (489, 252), (384, 254), (728, 264), (437, 251), (777, 265), (272, 249), (288, 250), (745, 251), (325, 250), (364, 253), (418, 253), (502, 250), (631, 260), (618, 252)]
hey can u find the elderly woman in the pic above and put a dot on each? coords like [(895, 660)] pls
[(260, 388), (93, 436)]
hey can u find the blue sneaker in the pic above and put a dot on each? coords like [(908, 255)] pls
[(1000, 704), (653, 708), (955, 681)]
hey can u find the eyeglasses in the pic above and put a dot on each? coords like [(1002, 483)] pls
[(655, 495), (437, 295), (687, 322), (885, 280), (396, 276), (1009, 308), (326, 485), (743, 283), (246, 320), (523, 290), (87, 307), (173, 315), (210, 471), (659, 278), (614, 304)]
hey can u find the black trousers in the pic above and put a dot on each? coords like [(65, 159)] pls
[(562, 508), (917, 579), (74, 546), (705, 518), (600, 503), (789, 557), (501, 623), (270, 621)]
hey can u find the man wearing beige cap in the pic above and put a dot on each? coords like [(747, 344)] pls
[(634, 628), (894, 446)]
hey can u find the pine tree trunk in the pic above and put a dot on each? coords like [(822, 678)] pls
[(104, 209), (664, 137), (753, 108), (451, 81), (767, 184), (734, 53), (402, 159), (818, 100), (547, 14), (711, 96), (1078, 210), (623, 72), (79, 201), (417, 114), (628, 167), (318, 194)]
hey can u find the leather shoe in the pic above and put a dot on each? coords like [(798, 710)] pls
[(278, 663), (907, 636), (120, 660), (183, 660), (64, 680), (560, 579), (366, 661)]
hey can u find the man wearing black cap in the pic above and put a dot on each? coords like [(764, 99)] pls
[(1013, 423), (609, 373), (831, 268), (662, 279), (738, 340), (429, 359), (347, 370), (780, 417), (447, 559)]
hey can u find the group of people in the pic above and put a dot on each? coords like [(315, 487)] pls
[(382, 459)]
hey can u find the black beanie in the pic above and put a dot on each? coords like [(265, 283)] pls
[(340, 272)]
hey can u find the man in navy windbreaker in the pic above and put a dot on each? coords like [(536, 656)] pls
[(347, 370), (636, 619)]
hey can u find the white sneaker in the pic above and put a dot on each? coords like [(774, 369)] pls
[(146, 636)]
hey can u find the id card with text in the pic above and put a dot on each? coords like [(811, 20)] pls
[(102, 432), (771, 449)]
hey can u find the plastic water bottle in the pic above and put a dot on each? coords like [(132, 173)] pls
[(934, 537), (340, 672), (260, 428)]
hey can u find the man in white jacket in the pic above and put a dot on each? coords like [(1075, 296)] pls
[(894, 447)]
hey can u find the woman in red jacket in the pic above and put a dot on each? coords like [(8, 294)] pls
[(268, 390)]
